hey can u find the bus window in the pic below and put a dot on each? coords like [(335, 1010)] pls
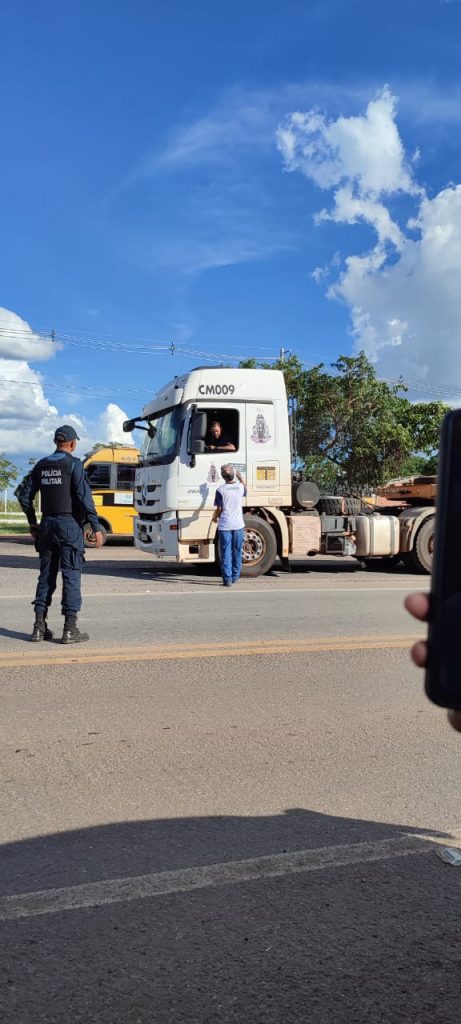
[(125, 477), (98, 474)]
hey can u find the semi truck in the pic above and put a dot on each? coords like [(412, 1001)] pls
[(285, 515)]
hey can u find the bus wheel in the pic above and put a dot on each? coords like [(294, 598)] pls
[(89, 539), (259, 547)]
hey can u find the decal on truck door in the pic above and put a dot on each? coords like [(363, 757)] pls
[(262, 425)]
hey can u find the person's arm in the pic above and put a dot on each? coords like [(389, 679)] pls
[(25, 494), (225, 447), (217, 507), (241, 480), (82, 491), (420, 608)]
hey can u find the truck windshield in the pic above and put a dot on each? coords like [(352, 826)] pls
[(164, 445)]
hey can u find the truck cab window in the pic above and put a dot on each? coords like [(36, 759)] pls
[(222, 430), (163, 445), (98, 474)]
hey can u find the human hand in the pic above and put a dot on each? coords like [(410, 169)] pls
[(33, 530), (419, 607), (98, 538)]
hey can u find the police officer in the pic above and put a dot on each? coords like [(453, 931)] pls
[(67, 504)]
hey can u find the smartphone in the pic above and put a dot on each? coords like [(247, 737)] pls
[(443, 673)]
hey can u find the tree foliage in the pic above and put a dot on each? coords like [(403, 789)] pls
[(353, 430), (8, 472)]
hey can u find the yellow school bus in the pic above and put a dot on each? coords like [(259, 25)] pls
[(110, 470)]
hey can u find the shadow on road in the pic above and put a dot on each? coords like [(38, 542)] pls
[(359, 943), (14, 634), (170, 572)]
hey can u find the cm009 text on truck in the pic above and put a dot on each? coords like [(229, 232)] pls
[(285, 516)]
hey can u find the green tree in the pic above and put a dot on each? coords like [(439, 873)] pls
[(353, 430), (8, 472)]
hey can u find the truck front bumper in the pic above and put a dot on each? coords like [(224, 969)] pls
[(162, 539)]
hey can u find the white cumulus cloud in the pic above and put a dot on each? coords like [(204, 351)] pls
[(28, 418), (111, 424), (404, 292), (366, 150), (19, 341)]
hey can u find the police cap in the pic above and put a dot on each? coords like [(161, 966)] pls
[(66, 433)]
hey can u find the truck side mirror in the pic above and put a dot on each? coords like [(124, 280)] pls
[(197, 434), (128, 426), (198, 428)]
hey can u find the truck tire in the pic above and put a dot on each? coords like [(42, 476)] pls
[(423, 548), (259, 547), (335, 506), (89, 538)]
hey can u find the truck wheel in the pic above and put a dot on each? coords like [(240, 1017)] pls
[(89, 538), (423, 550), (259, 547), (335, 506)]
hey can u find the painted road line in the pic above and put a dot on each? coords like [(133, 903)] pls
[(165, 883), (210, 591), (216, 650)]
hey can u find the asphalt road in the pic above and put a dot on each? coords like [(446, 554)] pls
[(227, 806)]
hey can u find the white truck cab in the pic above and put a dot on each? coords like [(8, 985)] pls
[(180, 468)]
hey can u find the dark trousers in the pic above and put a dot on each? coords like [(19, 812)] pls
[(60, 547)]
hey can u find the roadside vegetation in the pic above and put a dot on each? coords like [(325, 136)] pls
[(353, 431)]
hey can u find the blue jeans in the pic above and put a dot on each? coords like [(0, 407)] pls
[(60, 547), (230, 549)]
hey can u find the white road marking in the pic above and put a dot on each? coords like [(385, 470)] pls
[(229, 593), (164, 883)]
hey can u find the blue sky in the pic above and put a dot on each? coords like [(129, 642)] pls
[(164, 171)]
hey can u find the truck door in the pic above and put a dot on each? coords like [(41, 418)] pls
[(200, 473)]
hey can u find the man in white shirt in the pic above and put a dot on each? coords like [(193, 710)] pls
[(229, 516)]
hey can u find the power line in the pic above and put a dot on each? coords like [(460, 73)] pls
[(107, 343), (95, 391)]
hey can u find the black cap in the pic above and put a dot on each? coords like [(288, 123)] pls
[(66, 433)]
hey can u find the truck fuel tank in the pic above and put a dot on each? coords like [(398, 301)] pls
[(377, 535)]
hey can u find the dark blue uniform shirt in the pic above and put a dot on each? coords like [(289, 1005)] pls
[(81, 499)]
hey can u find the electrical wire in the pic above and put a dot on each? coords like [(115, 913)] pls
[(107, 343)]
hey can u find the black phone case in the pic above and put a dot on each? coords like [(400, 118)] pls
[(439, 692)]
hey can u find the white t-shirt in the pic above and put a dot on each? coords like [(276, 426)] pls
[(229, 498)]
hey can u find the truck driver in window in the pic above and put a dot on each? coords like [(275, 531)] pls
[(217, 441)]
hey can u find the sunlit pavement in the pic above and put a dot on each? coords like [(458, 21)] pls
[(226, 806)]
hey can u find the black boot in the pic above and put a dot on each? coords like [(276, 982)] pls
[(71, 633), (40, 631)]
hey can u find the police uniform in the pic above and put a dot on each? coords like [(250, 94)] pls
[(67, 504)]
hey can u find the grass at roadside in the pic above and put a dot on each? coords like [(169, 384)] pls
[(13, 528)]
